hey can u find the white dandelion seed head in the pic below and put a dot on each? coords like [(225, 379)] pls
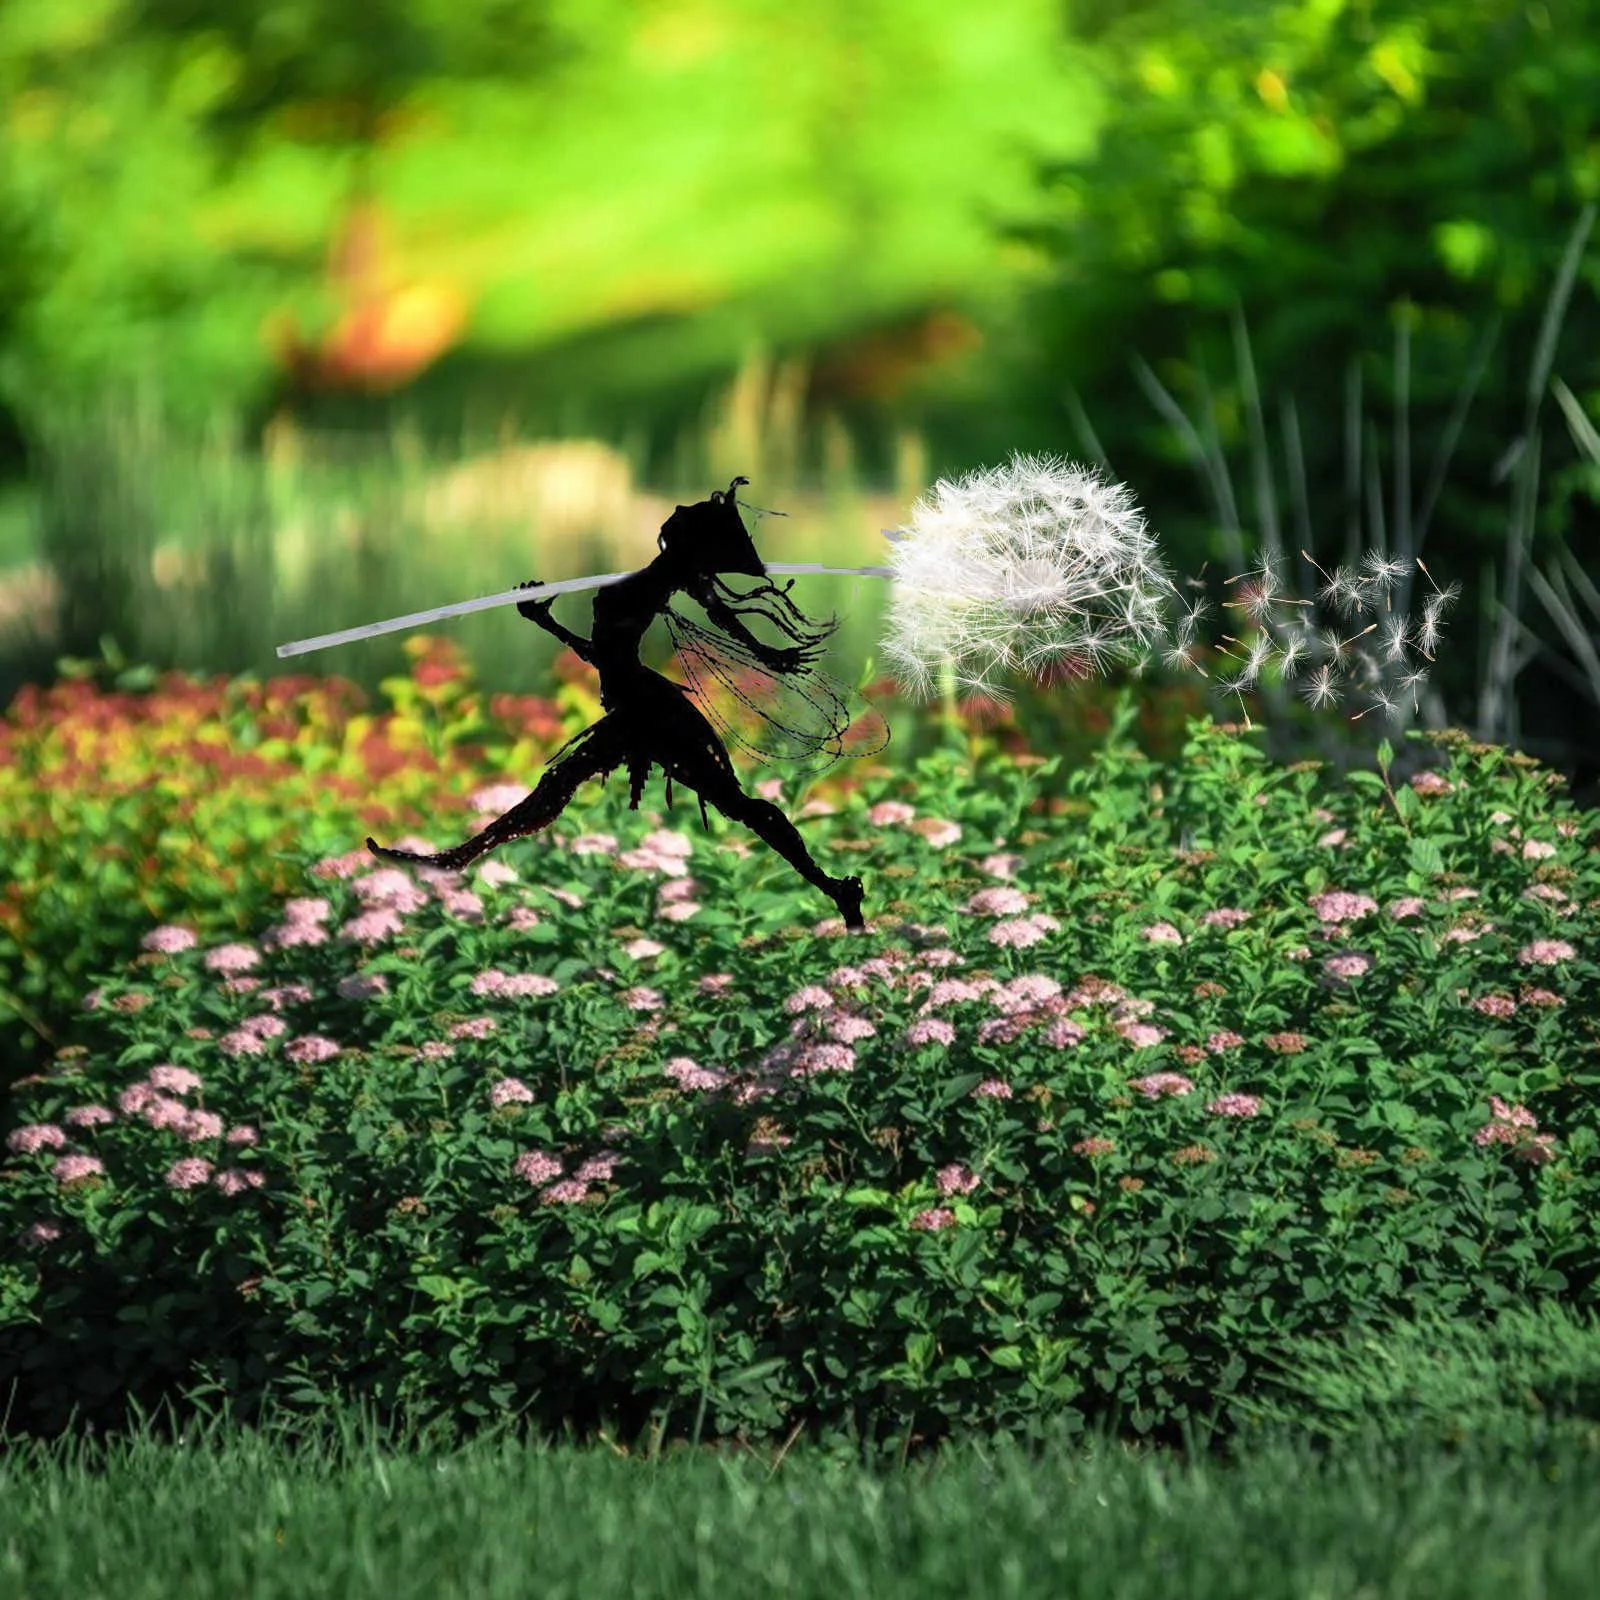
[(1020, 567), (1290, 653)]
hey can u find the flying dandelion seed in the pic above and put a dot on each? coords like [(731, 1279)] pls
[(1384, 572), (1260, 655), (1289, 654), (1412, 683), (1395, 634), (1383, 703), (1345, 593), (1180, 657), (1321, 690)]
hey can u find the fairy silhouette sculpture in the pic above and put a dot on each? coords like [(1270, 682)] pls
[(652, 720)]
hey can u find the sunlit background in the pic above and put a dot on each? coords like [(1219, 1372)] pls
[(312, 314)]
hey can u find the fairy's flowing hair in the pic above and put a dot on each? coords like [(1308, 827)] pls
[(781, 612)]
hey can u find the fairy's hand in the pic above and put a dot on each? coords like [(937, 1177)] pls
[(533, 610)]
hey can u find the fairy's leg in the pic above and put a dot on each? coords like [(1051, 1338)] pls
[(598, 751), (718, 784)]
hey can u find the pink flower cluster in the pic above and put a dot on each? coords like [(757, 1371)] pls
[(1514, 1126)]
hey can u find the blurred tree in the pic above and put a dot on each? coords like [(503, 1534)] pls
[(122, 126)]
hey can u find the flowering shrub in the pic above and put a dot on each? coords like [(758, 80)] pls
[(605, 1131)]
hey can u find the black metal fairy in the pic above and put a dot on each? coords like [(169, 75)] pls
[(650, 719)]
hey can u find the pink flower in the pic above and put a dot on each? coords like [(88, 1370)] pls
[(290, 935), (770, 789), (594, 844), (202, 1125), (641, 999), (311, 1047), (371, 926), (675, 889), (992, 1089), (509, 1090), (497, 797), (678, 910), (40, 1233), (1431, 783), (135, 1098), (931, 1220), (536, 1166), (1156, 1084), (1546, 952), (1344, 967), (175, 1080), (1225, 917), (495, 874), (597, 1169), (937, 832), (306, 910), (1332, 839), (1494, 1005), (520, 919), (235, 1179), (890, 814), (34, 1136), (1063, 1031), (1163, 933), (997, 902), (1002, 866), (232, 958), (1460, 892), (474, 1028), (1235, 1105), (825, 1058), (1541, 998), (811, 998), (715, 983), (689, 1074), (956, 1179), (1018, 933), (1031, 988), (1537, 850), (189, 1173), (1223, 1040), (930, 1030), (845, 1027), (242, 1042), (89, 1116), (1141, 1035), (266, 1026), (70, 1169), (1298, 952), (642, 949), (1094, 1147), (168, 940), (243, 1134), (1339, 906), (566, 1193), (1407, 906), (161, 1112)]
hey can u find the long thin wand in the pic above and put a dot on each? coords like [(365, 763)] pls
[(416, 619)]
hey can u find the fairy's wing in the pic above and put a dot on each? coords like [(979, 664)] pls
[(804, 719)]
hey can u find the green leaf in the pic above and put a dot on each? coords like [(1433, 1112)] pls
[(1424, 857), (1007, 1356), (1385, 755)]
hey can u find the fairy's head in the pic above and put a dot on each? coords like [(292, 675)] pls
[(710, 536)]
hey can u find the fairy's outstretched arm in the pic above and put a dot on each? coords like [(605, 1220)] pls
[(539, 611)]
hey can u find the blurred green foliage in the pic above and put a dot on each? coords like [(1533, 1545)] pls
[(1334, 170)]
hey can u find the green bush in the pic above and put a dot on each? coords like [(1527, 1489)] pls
[(1124, 1089)]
